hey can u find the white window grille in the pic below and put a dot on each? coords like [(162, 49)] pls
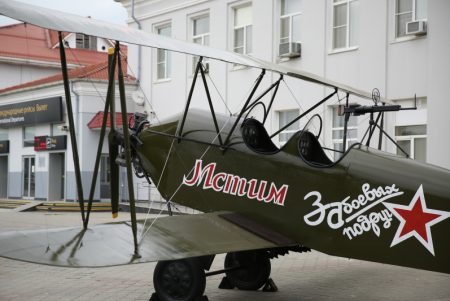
[(28, 136), (337, 134), (407, 11), (345, 23), (200, 34), (242, 30), (290, 21), (413, 140), (86, 42), (284, 117), (163, 57)]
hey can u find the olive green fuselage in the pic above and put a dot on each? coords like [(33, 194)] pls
[(347, 209)]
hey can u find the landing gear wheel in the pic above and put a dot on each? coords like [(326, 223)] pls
[(254, 269), (180, 280)]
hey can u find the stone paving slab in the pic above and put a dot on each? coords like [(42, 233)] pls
[(308, 276)]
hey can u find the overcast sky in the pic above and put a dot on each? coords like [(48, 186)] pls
[(107, 10)]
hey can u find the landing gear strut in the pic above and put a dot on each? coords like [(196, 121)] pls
[(248, 270)]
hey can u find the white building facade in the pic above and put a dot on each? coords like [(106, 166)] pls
[(34, 169), (361, 43)]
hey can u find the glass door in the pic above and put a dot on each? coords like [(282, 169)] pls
[(29, 171), (105, 178)]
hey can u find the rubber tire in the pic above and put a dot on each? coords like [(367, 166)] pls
[(255, 269), (179, 280)]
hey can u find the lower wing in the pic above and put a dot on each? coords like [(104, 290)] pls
[(168, 238)]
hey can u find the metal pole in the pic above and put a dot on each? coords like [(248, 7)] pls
[(126, 136), (109, 95), (346, 118), (380, 137), (73, 139), (273, 98)]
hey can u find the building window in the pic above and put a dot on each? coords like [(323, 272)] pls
[(413, 140), (338, 132), (290, 21), (242, 30), (163, 60), (28, 136), (407, 11), (345, 23), (200, 34), (284, 117), (57, 130), (86, 42), (3, 134)]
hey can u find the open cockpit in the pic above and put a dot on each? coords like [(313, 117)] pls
[(304, 143)]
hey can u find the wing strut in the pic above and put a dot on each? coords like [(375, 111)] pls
[(109, 96), (126, 134), (305, 113), (198, 69), (244, 108), (73, 139)]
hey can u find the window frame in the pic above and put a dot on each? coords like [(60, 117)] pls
[(290, 16), (412, 139), (29, 142), (244, 27), (413, 15), (4, 134), (167, 56), (347, 32), (202, 36), (91, 40), (289, 133), (349, 141)]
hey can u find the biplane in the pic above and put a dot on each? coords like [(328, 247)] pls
[(259, 201)]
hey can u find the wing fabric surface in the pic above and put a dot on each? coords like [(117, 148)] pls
[(60, 21), (169, 238)]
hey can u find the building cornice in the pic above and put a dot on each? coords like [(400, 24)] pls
[(22, 61), (60, 83), (169, 9)]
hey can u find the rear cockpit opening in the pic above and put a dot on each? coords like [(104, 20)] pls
[(311, 151), (256, 137)]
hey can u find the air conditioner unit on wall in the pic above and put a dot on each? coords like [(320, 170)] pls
[(416, 28), (290, 50)]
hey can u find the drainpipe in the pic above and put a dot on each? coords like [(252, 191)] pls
[(77, 125), (138, 75), (76, 111)]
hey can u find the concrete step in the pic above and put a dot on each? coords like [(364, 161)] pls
[(72, 207), (12, 204)]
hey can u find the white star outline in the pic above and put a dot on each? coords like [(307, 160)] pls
[(397, 239)]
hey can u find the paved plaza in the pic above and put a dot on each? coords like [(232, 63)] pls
[(309, 276)]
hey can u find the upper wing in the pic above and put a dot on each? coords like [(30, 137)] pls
[(60, 21), (169, 238)]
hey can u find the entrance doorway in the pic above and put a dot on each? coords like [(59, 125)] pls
[(3, 177), (29, 172), (56, 177)]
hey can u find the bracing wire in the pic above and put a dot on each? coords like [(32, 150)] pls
[(218, 92), (181, 184), (157, 186)]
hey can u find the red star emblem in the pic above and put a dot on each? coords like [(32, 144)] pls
[(416, 220)]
